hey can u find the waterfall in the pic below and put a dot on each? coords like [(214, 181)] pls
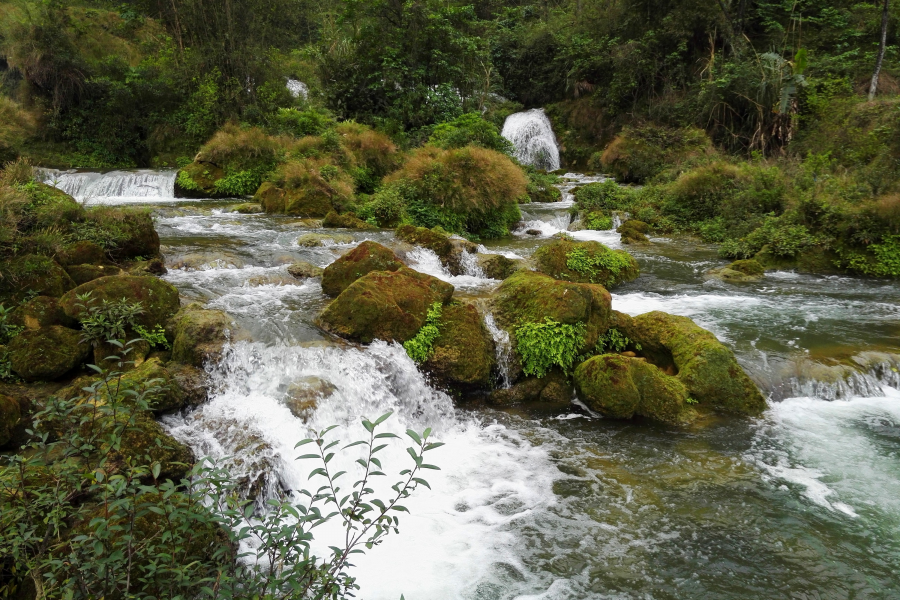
[(504, 349), (297, 88), (532, 136), (114, 187)]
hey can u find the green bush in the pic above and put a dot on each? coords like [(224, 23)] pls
[(590, 264), (598, 221), (421, 347), (606, 195), (300, 123), (470, 130), (543, 346)]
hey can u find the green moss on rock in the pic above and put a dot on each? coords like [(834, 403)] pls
[(706, 367), (83, 273), (10, 413), (367, 257), (311, 240), (139, 444), (497, 266), (158, 298), (198, 180), (81, 253), (41, 311), (32, 274), (304, 270), (198, 334), (427, 238), (554, 389), (586, 262), (463, 354), (633, 232), (47, 353), (386, 305), (345, 221), (622, 387)]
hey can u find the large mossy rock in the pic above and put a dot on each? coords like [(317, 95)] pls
[(83, 273), (385, 305), (313, 240), (365, 258), (47, 353), (552, 390), (586, 262), (10, 413), (32, 274), (740, 271), (706, 367), (345, 221), (497, 266), (530, 297), (81, 253), (633, 232), (463, 354), (41, 311), (621, 387), (198, 335), (306, 201), (198, 180), (158, 298), (145, 442)]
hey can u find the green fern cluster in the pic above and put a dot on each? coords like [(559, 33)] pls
[(592, 264), (543, 346), (614, 341), (421, 347)]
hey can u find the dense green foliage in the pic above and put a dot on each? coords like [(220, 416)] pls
[(543, 346), (421, 347)]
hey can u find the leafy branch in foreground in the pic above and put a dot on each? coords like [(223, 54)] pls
[(99, 505)]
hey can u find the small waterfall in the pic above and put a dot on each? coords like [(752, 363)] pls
[(532, 136), (859, 385), (469, 264), (114, 187), (297, 88), (504, 349)]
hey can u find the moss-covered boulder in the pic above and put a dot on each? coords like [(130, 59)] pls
[(740, 271), (463, 354), (497, 266), (127, 232), (365, 258), (435, 241), (386, 305), (198, 334), (247, 208), (81, 253), (312, 240), (634, 232), (530, 297), (83, 273), (304, 270), (198, 180), (345, 221), (47, 353), (191, 383), (706, 367), (10, 413), (585, 262), (145, 442), (158, 298), (41, 311), (150, 379), (622, 387), (270, 197), (554, 389), (32, 274)]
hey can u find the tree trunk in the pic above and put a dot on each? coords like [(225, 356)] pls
[(884, 23)]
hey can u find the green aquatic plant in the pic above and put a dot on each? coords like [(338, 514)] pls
[(543, 346), (614, 341), (421, 347), (590, 264)]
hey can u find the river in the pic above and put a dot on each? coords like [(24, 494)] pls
[(801, 503)]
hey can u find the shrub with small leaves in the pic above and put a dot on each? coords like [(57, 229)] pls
[(107, 320), (421, 347)]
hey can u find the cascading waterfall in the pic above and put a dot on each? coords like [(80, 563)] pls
[(114, 187), (532, 137), (297, 88), (504, 349)]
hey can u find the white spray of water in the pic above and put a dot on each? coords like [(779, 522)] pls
[(297, 88), (503, 349), (114, 187), (532, 137), (470, 267), (461, 531), (426, 261)]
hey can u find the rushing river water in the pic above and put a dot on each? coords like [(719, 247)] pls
[(802, 503)]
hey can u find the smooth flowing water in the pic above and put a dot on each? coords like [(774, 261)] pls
[(803, 502)]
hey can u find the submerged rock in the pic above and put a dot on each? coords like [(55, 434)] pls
[(345, 221), (311, 240), (586, 262), (158, 298), (247, 208), (706, 367), (621, 387), (304, 270), (386, 305), (365, 258), (464, 356), (198, 335), (304, 394), (47, 353), (552, 389)]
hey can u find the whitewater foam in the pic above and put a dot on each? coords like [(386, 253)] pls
[(532, 137)]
